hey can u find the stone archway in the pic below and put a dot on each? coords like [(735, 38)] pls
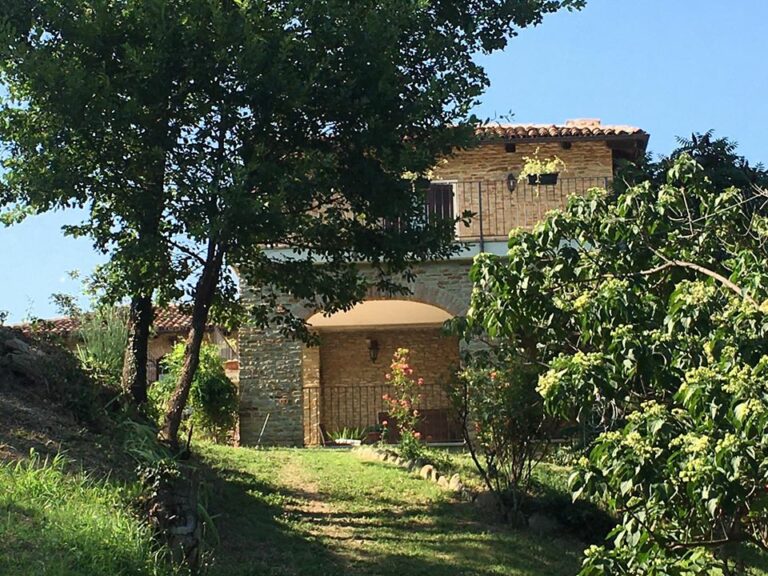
[(275, 369), (455, 302)]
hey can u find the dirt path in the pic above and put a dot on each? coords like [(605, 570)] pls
[(311, 507), (310, 502)]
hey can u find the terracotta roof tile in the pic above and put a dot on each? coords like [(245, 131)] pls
[(172, 319), (168, 319), (572, 129)]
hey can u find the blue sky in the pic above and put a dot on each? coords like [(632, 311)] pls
[(670, 67)]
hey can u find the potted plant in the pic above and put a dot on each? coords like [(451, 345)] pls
[(542, 171), (348, 436), (373, 434)]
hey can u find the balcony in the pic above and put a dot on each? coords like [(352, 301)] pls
[(497, 209)]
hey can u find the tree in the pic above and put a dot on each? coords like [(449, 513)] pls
[(648, 311), (86, 121), (254, 124)]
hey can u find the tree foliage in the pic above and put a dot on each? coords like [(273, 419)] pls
[(198, 133), (648, 309)]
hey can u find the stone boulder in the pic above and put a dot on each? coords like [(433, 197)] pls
[(455, 483)]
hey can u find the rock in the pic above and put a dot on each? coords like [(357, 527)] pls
[(16, 345), (489, 506), (410, 464), (455, 483), (543, 524), (434, 475), (443, 482), (426, 471), (398, 461)]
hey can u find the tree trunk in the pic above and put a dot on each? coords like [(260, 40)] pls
[(134, 377), (204, 293)]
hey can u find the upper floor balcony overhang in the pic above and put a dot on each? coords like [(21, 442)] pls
[(497, 206)]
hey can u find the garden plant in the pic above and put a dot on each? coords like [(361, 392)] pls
[(401, 405), (646, 311)]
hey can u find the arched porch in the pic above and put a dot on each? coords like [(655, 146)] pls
[(343, 379)]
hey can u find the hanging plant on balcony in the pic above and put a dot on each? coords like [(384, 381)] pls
[(541, 171)]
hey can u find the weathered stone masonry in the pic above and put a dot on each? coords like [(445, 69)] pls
[(280, 377), (274, 370)]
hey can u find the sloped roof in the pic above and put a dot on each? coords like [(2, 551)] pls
[(590, 129), (170, 319)]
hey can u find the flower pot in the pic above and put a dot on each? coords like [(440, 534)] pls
[(549, 179), (372, 437)]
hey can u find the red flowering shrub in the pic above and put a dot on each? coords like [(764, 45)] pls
[(401, 403)]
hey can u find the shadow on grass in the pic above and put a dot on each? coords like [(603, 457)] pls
[(258, 536), (255, 532)]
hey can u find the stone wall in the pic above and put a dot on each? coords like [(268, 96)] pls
[(483, 171), (278, 375)]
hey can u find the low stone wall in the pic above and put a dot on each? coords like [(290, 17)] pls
[(425, 470)]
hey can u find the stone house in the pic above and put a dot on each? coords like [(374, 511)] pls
[(170, 326), (303, 393)]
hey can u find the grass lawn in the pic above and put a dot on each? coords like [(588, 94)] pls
[(58, 524), (326, 512)]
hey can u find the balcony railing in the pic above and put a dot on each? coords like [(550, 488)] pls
[(497, 209)]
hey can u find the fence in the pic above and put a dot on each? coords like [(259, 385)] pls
[(334, 408)]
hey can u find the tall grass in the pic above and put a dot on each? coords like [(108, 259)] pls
[(55, 524), (103, 335)]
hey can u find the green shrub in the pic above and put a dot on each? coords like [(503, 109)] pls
[(504, 425), (349, 434), (212, 405)]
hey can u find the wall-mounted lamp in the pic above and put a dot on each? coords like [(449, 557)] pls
[(373, 348), (511, 181)]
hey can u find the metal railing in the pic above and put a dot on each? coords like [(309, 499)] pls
[(497, 209), (333, 408)]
